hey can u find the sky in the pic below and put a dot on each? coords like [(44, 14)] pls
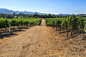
[(46, 6)]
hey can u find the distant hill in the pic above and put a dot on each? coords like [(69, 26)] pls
[(64, 14), (7, 11)]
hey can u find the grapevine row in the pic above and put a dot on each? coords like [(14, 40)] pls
[(6, 23), (73, 22)]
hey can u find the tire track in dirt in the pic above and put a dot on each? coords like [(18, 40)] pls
[(36, 45), (24, 50)]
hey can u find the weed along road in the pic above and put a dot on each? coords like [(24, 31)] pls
[(31, 43)]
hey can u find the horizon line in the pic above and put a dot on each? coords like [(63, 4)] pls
[(38, 11)]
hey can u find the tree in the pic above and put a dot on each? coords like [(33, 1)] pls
[(17, 16), (60, 16), (53, 16), (49, 15), (14, 14), (45, 15), (83, 16), (20, 14), (35, 15), (29, 16)]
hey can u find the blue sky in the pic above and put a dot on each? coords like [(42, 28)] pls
[(46, 6)]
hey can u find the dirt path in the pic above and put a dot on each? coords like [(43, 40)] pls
[(28, 44), (43, 41)]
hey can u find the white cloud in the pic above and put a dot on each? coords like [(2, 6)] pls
[(70, 13), (55, 13), (75, 13), (21, 10), (27, 10), (47, 12), (40, 12), (32, 11), (8, 8)]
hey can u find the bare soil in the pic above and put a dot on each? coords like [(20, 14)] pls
[(42, 41)]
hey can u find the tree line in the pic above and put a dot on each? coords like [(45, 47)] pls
[(22, 15)]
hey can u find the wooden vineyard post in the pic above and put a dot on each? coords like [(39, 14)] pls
[(60, 26), (67, 27), (9, 29), (5, 28)]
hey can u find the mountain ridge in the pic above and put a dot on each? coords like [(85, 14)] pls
[(7, 11)]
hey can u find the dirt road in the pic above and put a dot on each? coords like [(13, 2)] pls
[(43, 41), (31, 43)]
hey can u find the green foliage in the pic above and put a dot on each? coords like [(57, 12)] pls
[(27, 22), (19, 21), (51, 23), (9, 16), (1, 24), (5, 24), (56, 23), (74, 22), (14, 23), (53, 19), (64, 23), (82, 23), (32, 20)]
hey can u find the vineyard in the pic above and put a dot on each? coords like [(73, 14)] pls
[(70, 24), (5, 23), (39, 38)]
